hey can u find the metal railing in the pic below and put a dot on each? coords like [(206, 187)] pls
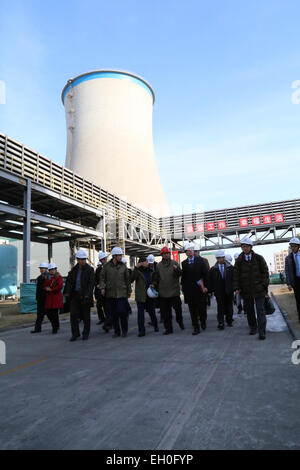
[(21, 160)]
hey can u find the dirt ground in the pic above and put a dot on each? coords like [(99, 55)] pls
[(11, 316), (286, 301)]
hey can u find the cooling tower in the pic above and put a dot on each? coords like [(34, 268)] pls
[(109, 136)]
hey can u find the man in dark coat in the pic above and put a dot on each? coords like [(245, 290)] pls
[(40, 297), (251, 280), (102, 304), (292, 270), (194, 281), (221, 284), (142, 277), (152, 303), (205, 299), (166, 281), (79, 288)]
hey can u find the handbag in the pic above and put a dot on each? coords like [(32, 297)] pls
[(269, 306)]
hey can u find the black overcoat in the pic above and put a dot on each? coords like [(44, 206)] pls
[(191, 274)]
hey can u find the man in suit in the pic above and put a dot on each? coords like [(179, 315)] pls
[(205, 299), (194, 281), (40, 297), (292, 270), (221, 284), (79, 288), (251, 280)]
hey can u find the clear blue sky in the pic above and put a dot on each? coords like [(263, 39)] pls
[(225, 130)]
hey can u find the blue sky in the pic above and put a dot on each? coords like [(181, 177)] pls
[(226, 132)]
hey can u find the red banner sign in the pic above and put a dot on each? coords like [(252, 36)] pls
[(222, 225), (256, 220), (279, 218), (210, 226), (175, 256), (267, 219), (200, 227), (244, 222), (189, 228)]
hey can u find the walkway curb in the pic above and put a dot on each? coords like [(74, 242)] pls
[(292, 329)]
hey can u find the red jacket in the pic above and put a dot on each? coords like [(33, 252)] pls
[(54, 298)]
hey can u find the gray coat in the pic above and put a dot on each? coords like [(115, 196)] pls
[(290, 270)]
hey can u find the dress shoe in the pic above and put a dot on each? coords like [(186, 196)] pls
[(221, 326), (229, 324), (253, 331), (181, 325), (36, 331), (141, 334), (124, 335), (73, 338), (116, 335), (85, 337), (195, 332), (167, 332), (54, 332), (156, 329), (203, 326), (262, 336)]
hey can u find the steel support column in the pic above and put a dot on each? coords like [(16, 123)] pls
[(50, 252), (27, 232)]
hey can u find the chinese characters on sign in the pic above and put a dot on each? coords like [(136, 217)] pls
[(175, 256), (243, 221)]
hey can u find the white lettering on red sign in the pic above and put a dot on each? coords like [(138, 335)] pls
[(189, 229), (267, 219), (210, 226), (279, 218), (200, 227), (221, 225), (244, 222), (256, 220)]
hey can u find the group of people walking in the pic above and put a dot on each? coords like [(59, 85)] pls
[(159, 285)]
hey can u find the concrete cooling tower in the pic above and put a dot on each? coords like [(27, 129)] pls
[(109, 136)]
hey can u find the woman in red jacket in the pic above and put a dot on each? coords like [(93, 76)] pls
[(54, 298)]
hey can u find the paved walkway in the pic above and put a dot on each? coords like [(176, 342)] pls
[(218, 390)]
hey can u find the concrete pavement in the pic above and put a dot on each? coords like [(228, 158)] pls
[(218, 390)]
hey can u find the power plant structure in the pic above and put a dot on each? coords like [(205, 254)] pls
[(109, 136), (109, 193)]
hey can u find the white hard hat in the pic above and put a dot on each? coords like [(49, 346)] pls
[(188, 246), (152, 293), (196, 247), (228, 258), (52, 266), (124, 260), (102, 255), (236, 255), (81, 254), (116, 251), (247, 241), (220, 254), (43, 265), (150, 259), (295, 241)]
